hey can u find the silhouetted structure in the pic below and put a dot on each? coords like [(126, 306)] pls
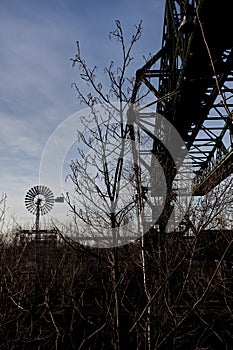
[(191, 78)]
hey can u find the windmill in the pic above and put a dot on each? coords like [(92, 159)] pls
[(39, 200)]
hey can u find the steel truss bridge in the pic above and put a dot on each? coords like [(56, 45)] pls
[(190, 81)]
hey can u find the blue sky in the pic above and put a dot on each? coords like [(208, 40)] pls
[(37, 41)]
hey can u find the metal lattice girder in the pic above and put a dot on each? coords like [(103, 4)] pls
[(191, 82)]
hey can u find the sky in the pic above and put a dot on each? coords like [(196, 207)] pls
[(38, 39)]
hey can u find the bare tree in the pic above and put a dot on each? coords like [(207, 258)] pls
[(104, 197)]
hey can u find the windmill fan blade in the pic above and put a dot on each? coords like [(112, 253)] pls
[(38, 189), (45, 190), (31, 193), (34, 191), (48, 194)]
